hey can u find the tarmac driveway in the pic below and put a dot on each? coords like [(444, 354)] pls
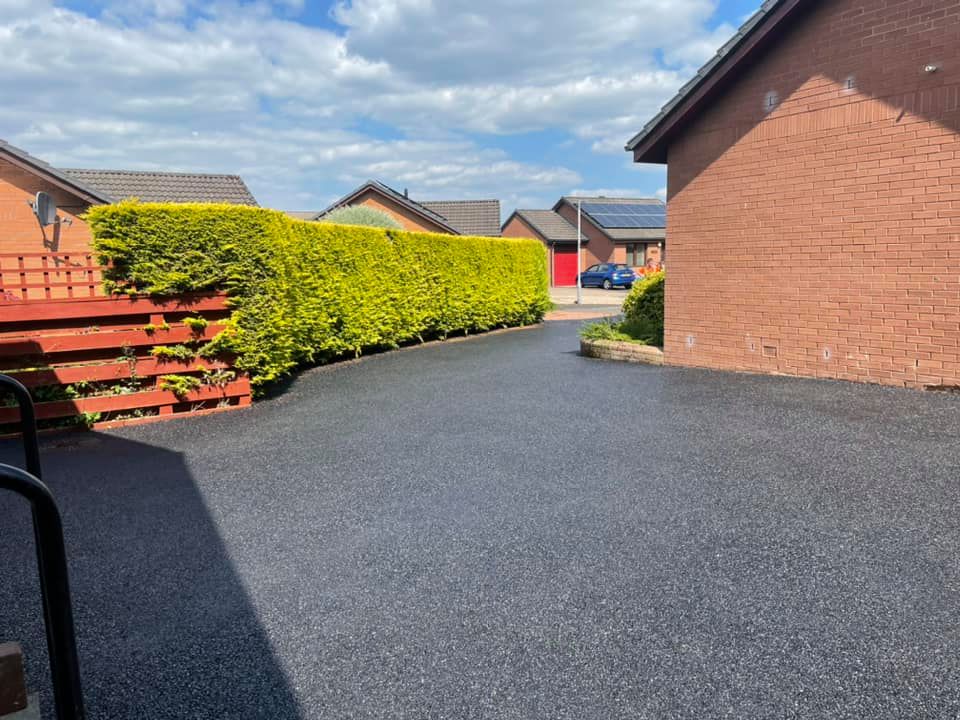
[(499, 528)]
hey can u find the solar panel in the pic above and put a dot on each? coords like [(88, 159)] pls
[(631, 220), (627, 214), (595, 208)]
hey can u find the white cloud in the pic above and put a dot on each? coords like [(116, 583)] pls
[(244, 87)]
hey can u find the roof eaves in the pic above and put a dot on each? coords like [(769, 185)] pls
[(85, 191), (396, 197), (749, 27), (540, 229), (594, 223), (414, 205)]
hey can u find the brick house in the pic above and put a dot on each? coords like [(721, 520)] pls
[(621, 230), (559, 237), (453, 217), (814, 195), (22, 176)]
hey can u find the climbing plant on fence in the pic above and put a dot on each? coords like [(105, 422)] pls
[(303, 292)]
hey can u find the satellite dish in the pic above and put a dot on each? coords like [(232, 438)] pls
[(45, 209)]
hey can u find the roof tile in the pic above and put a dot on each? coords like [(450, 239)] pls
[(151, 186), (469, 217), (550, 225)]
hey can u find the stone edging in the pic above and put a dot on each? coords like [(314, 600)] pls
[(625, 351)]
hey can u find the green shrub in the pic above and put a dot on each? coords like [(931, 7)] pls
[(179, 385), (622, 331), (173, 352), (362, 215), (306, 292), (196, 324), (643, 308)]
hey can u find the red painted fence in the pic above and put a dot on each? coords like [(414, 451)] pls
[(88, 358), (48, 276)]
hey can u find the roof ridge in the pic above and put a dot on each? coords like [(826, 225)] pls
[(148, 172), (382, 187), (490, 200), (652, 198)]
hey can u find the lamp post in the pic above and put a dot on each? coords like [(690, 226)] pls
[(579, 298)]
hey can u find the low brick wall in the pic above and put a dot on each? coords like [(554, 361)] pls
[(625, 351)]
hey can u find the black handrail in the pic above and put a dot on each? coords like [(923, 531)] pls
[(28, 424), (51, 561)]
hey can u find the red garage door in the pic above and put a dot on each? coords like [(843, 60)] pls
[(564, 266)]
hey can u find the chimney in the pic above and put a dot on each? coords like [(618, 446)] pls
[(405, 193)]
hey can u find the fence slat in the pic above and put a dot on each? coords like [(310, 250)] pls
[(77, 308), (60, 341), (112, 403), (34, 272)]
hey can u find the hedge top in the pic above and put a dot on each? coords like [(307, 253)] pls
[(305, 292)]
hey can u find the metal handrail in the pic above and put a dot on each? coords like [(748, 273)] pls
[(51, 561), (28, 424)]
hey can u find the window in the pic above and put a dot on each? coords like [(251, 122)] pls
[(593, 268), (603, 268), (636, 254)]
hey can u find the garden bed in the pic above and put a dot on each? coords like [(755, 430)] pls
[(621, 350)]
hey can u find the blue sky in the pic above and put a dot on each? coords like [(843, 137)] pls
[(513, 99)]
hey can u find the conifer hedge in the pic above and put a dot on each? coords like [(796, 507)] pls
[(306, 292)]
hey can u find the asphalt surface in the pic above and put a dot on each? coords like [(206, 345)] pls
[(499, 528)]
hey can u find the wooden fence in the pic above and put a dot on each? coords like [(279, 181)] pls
[(49, 276), (89, 359)]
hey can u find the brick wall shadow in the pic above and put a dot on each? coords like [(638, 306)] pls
[(165, 627)]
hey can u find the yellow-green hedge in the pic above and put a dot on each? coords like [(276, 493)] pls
[(305, 292)]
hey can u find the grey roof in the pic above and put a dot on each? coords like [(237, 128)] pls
[(76, 184), (460, 217), (398, 197), (151, 186), (618, 234), (469, 217), (752, 23), (551, 226)]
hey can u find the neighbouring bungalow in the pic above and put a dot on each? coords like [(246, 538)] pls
[(22, 176), (452, 217), (620, 230), (814, 195), (559, 237)]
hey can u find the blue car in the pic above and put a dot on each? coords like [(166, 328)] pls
[(608, 275)]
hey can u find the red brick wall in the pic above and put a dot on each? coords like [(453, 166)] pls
[(19, 230), (516, 227), (821, 238), (407, 219), (519, 229)]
